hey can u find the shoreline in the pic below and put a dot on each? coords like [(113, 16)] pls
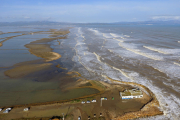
[(151, 108)]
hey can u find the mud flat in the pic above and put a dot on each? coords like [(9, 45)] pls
[(23, 70), (43, 51), (39, 48)]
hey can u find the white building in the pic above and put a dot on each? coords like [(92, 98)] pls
[(132, 93)]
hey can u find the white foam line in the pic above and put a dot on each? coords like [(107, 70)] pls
[(123, 73), (158, 70), (104, 35), (110, 50), (127, 35), (114, 35), (118, 40), (143, 54), (153, 49), (176, 63)]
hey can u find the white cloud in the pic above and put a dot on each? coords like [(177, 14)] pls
[(26, 17), (166, 17)]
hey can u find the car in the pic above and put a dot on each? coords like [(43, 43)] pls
[(93, 100), (82, 102), (104, 98), (6, 111), (88, 102), (8, 108), (26, 109), (0, 109), (79, 118)]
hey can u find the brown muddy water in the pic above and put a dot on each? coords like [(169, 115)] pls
[(147, 55)]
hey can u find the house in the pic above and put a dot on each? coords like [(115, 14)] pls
[(132, 93)]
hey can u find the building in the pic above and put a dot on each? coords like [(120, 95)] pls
[(132, 93)]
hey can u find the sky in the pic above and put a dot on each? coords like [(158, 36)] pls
[(85, 11)]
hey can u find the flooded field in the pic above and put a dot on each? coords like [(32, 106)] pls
[(37, 59)]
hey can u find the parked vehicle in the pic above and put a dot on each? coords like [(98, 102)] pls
[(8, 108), (79, 118), (6, 111), (82, 102), (26, 109), (0, 109), (104, 98), (93, 100), (88, 102)]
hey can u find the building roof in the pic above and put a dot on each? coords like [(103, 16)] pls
[(131, 92)]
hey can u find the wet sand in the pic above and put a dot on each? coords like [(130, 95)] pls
[(39, 48), (43, 51)]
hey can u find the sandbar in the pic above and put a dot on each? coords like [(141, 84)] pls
[(43, 51)]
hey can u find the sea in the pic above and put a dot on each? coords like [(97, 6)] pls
[(146, 54)]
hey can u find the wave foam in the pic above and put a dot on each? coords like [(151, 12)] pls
[(140, 53), (153, 49)]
